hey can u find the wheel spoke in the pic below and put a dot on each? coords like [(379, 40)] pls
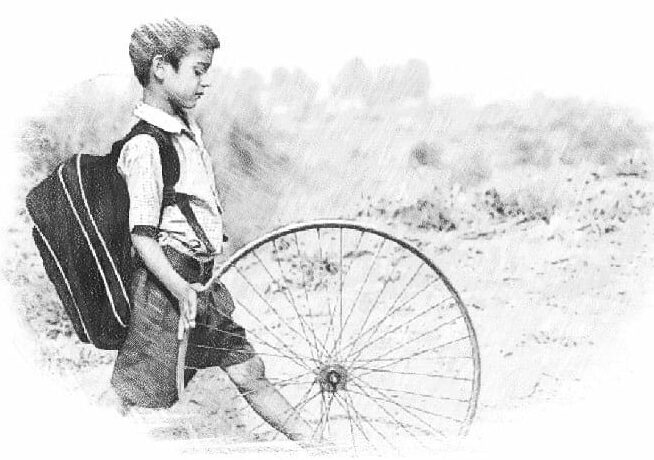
[(324, 261), (353, 254), (404, 344), (340, 272), (405, 408), (348, 397), (281, 383), (376, 326), (354, 251), (329, 329), (322, 415), (308, 324), (241, 350), (213, 328), (272, 333), (350, 420), (386, 360), (290, 301), (354, 355), (306, 293), (273, 309), (319, 244), (363, 284), (412, 393), (389, 311), (414, 355), (372, 307), (387, 280), (328, 408), (304, 400), (392, 416)]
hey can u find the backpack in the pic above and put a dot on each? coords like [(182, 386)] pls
[(81, 229)]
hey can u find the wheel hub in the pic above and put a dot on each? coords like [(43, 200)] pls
[(332, 377)]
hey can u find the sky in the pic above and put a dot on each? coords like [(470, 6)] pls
[(484, 50)]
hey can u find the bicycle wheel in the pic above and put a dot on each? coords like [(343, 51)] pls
[(360, 331)]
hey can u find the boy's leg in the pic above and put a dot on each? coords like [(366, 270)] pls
[(111, 400), (145, 367), (224, 344), (250, 379)]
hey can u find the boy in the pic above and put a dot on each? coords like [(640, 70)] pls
[(175, 251)]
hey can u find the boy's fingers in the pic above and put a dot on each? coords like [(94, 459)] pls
[(186, 316), (192, 310), (197, 287), (181, 328)]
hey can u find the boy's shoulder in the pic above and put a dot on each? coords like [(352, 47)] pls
[(148, 148), (144, 139), (141, 147)]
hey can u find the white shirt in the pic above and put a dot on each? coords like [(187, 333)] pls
[(140, 165)]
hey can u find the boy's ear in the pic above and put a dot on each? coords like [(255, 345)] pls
[(159, 67)]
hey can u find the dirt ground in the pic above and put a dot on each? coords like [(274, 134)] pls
[(546, 299)]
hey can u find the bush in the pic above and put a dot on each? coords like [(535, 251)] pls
[(600, 135), (86, 119), (425, 154), (423, 214), (633, 167), (252, 174), (470, 169), (525, 204), (43, 152), (531, 149)]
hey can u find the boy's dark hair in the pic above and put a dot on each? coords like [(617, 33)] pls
[(169, 39)]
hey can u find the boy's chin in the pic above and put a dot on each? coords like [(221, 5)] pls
[(186, 105), (191, 103)]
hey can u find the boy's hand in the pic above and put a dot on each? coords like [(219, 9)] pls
[(185, 293), (188, 303)]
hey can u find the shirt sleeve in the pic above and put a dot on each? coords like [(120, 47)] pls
[(140, 165)]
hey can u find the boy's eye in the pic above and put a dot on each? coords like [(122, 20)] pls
[(200, 71)]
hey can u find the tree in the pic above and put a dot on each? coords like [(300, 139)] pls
[(353, 81), (387, 86), (250, 82), (397, 83), (415, 79), (292, 88)]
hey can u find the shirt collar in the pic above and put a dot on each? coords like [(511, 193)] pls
[(159, 118)]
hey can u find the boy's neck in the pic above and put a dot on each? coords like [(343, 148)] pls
[(158, 100)]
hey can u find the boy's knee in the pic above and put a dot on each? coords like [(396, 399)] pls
[(247, 375)]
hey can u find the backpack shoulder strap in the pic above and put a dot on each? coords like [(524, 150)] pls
[(167, 153), (170, 170), (184, 204)]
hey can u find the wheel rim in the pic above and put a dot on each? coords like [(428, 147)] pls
[(361, 332)]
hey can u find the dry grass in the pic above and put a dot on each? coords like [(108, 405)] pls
[(275, 168), (438, 166)]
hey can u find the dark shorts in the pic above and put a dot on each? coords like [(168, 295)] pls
[(145, 370)]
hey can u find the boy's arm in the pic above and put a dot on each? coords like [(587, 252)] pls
[(157, 262), (140, 165)]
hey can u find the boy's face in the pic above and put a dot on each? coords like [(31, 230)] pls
[(185, 86)]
